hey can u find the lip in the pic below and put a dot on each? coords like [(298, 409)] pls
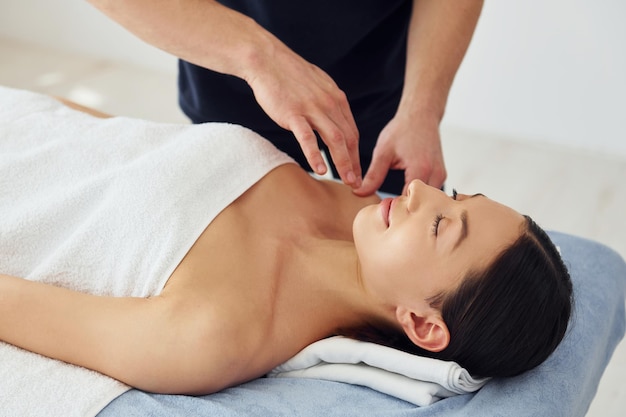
[(385, 209)]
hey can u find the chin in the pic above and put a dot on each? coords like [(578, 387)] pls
[(356, 222), (367, 223)]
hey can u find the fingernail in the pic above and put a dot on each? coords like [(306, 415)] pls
[(350, 177), (321, 169)]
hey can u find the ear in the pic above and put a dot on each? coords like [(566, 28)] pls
[(425, 329)]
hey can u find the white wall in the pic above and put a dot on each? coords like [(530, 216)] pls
[(552, 70), (76, 26), (538, 70)]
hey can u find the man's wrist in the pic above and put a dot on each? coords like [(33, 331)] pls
[(425, 108)]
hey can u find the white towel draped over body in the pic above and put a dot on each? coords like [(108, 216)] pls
[(107, 207), (111, 207)]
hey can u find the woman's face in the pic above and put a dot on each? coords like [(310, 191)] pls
[(418, 246)]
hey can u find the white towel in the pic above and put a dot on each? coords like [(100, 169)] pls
[(418, 380), (107, 207)]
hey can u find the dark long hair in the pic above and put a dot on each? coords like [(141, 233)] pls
[(504, 320)]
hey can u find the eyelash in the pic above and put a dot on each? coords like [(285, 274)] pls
[(440, 217)]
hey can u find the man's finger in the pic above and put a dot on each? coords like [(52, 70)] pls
[(348, 125), (375, 175), (335, 139), (435, 178), (308, 142), (336, 126)]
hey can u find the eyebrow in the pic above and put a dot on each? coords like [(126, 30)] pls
[(463, 233)]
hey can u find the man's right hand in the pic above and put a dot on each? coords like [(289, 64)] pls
[(302, 98)]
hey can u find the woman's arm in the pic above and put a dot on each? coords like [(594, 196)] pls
[(82, 108), (154, 344)]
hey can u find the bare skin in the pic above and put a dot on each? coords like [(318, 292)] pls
[(288, 263), (275, 271), (233, 293)]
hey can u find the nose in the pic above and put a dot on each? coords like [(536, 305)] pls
[(413, 186), (412, 191)]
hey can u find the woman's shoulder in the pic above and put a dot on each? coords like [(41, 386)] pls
[(328, 198)]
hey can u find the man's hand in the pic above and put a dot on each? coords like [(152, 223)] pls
[(439, 34), (302, 98), (412, 145), (297, 95)]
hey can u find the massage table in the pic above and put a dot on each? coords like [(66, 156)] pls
[(564, 385)]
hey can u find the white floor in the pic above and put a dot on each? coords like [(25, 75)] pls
[(563, 189)]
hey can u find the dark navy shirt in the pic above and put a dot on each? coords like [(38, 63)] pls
[(361, 44)]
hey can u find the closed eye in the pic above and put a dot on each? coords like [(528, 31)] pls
[(436, 222)]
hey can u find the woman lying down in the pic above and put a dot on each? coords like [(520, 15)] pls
[(187, 259)]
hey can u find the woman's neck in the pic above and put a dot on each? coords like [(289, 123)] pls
[(306, 226), (321, 290)]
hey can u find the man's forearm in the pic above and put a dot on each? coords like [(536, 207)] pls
[(439, 35), (203, 32)]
